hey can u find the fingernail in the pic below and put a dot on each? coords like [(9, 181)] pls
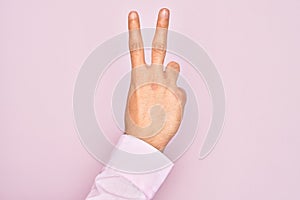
[(164, 12), (133, 15)]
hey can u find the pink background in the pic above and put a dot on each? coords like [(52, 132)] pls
[(255, 45)]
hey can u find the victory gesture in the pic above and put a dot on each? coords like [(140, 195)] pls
[(155, 103)]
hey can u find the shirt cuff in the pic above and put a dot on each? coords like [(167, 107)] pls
[(148, 183)]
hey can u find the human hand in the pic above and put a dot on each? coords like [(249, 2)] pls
[(155, 104)]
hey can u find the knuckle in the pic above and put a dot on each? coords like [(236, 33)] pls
[(159, 46), (174, 65), (134, 46)]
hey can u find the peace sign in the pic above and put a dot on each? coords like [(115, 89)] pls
[(155, 103)]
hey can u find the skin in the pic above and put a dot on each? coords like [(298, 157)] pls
[(155, 103)]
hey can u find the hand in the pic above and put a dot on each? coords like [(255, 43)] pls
[(155, 104)]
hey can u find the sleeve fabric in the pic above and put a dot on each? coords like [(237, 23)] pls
[(111, 184)]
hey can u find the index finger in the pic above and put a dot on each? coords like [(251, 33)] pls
[(136, 46), (159, 44)]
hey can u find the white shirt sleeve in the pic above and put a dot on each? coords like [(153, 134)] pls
[(111, 184)]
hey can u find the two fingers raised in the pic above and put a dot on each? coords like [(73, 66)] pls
[(159, 44)]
